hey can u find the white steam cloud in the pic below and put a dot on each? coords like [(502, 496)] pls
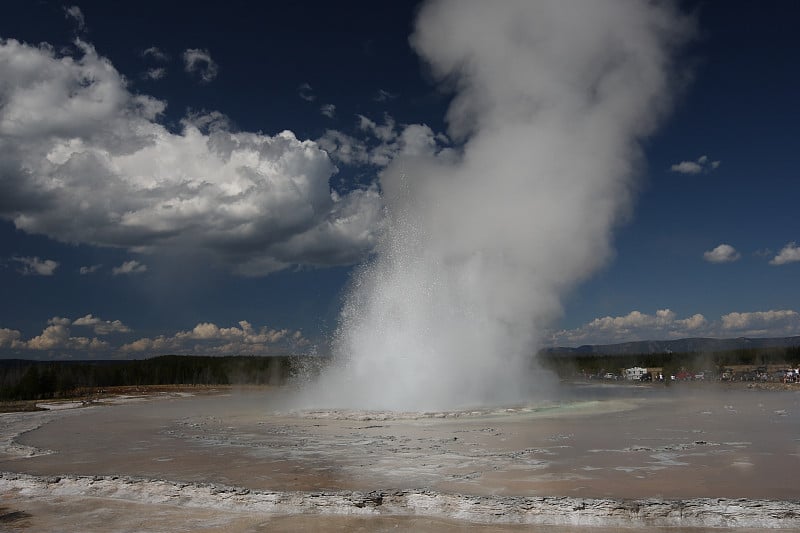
[(551, 101)]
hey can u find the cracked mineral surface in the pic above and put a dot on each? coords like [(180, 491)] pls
[(600, 457)]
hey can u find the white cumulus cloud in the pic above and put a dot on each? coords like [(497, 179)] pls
[(89, 269), (702, 164), (634, 326), (58, 336), (383, 96), (305, 92), (329, 110), (762, 323), (724, 253), (687, 167), (100, 326), (33, 266), (344, 148), (665, 325), (155, 53), (59, 321), (75, 13), (156, 73), (87, 161), (788, 254), (206, 338), (129, 267), (383, 143), (199, 61), (10, 338)]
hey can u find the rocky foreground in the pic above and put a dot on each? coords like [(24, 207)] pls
[(556, 511)]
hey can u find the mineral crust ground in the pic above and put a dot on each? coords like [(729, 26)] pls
[(683, 458)]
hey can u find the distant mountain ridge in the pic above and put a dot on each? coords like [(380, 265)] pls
[(697, 344)]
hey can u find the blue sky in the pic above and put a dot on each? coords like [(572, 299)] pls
[(93, 267)]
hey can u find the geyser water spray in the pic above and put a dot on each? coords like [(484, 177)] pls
[(551, 100)]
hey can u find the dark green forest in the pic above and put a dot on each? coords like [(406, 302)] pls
[(37, 380)]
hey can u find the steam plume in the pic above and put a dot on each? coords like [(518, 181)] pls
[(551, 101)]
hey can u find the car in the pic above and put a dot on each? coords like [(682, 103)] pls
[(609, 375)]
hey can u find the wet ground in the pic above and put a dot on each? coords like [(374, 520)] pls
[(622, 442)]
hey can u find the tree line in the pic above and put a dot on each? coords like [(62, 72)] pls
[(37, 380)]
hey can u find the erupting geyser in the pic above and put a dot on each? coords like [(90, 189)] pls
[(552, 99)]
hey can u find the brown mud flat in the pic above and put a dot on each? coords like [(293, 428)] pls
[(19, 406), (602, 457)]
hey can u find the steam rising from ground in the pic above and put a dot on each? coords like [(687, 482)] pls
[(551, 102)]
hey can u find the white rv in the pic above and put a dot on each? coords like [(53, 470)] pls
[(635, 373)]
